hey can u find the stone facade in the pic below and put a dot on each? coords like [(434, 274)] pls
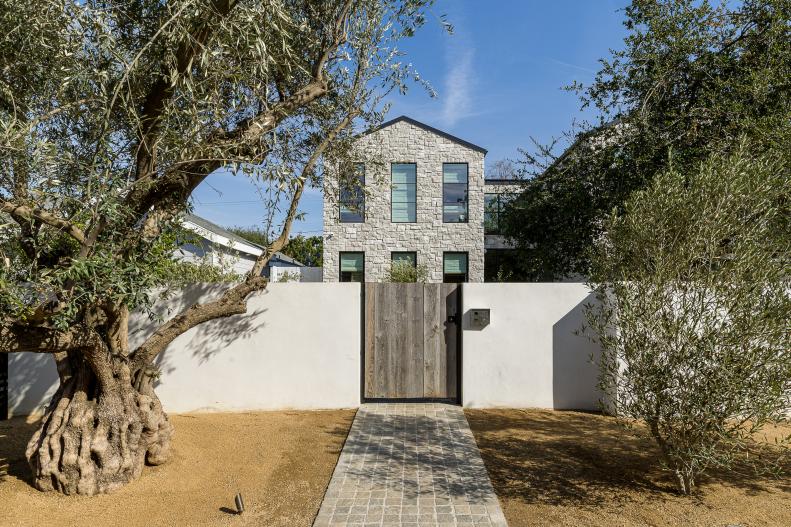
[(406, 141)]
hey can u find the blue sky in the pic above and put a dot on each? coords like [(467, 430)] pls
[(498, 78)]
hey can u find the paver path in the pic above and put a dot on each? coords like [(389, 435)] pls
[(410, 464)]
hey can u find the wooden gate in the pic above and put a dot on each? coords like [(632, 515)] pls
[(412, 341)]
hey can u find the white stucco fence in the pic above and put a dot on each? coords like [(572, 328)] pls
[(299, 347), (530, 355)]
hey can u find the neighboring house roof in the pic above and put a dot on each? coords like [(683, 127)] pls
[(287, 259), (428, 128), (216, 234)]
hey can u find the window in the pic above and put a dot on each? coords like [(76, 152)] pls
[(500, 265), (454, 192), (493, 207), (352, 196), (454, 267), (404, 256), (352, 267), (403, 200)]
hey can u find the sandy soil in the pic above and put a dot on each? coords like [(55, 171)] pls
[(281, 462), (573, 468)]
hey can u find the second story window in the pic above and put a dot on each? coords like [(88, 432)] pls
[(403, 202), (352, 196), (493, 207), (454, 192)]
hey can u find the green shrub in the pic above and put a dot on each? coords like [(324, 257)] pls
[(406, 272), (694, 311)]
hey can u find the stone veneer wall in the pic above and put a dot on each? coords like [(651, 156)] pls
[(377, 237)]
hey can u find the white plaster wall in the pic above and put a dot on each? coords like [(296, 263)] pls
[(529, 356), (378, 236), (298, 346), (296, 274)]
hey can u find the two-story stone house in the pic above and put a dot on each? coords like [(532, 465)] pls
[(423, 203)]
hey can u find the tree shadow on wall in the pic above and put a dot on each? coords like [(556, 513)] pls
[(208, 338)]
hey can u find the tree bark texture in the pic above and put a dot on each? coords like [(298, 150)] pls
[(96, 435)]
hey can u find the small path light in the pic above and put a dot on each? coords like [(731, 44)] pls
[(239, 504)]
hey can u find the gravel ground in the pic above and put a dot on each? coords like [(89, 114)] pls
[(573, 469), (281, 462)]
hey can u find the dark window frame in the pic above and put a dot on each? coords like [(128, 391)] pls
[(340, 271), (501, 196), (467, 201), (393, 253), (466, 273), (341, 203), (391, 190)]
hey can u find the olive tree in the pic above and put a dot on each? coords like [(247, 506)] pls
[(111, 114), (695, 303)]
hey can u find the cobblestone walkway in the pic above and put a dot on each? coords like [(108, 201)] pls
[(410, 465)]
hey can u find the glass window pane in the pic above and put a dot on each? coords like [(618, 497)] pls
[(404, 172), (410, 258), (404, 192), (349, 215), (455, 263), (454, 173), (490, 202), (454, 214), (404, 213), (455, 193), (490, 223), (352, 196), (352, 262)]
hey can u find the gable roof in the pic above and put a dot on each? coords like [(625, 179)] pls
[(428, 128), (217, 234)]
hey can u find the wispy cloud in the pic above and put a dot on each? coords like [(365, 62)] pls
[(457, 93), (457, 96)]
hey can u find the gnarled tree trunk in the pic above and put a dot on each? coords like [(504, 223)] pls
[(99, 430)]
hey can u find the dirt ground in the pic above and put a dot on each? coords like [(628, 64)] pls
[(574, 468), (281, 462)]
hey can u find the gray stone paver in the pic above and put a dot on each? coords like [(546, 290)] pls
[(411, 465)]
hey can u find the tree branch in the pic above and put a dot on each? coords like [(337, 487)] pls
[(38, 339), (30, 213)]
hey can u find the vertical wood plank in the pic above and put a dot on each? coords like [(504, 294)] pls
[(413, 331), (382, 364), (369, 377), (450, 303), (431, 341)]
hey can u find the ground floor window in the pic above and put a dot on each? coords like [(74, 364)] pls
[(454, 267), (500, 265), (352, 266), (409, 257)]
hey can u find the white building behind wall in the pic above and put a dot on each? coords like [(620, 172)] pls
[(423, 202)]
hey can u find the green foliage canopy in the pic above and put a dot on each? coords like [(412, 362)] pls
[(692, 78)]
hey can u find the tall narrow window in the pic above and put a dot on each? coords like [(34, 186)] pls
[(404, 256), (352, 267), (403, 200), (352, 196), (454, 267), (454, 192)]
